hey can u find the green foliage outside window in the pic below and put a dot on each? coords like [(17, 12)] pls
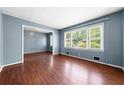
[(95, 37), (75, 39), (95, 32), (95, 43), (84, 38), (68, 35), (68, 43)]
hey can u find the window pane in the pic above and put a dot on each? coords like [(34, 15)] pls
[(95, 43), (95, 32), (68, 43), (83, 34), (82, 38), (87, 37), (75, 43), (83, 44), (68, 35), (75, 34), (75, 39)]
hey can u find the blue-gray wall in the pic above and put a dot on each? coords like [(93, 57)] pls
[(1, 39), (13, 37), (112, 41), (56, 42), (34, 41)]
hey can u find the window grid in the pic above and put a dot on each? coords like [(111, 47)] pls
[(88, 37)]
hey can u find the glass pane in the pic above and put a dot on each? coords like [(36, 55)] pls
[(75, 34), (83, 34), (68, 43), (95, 32), (75, 43), (95, 43), (83, 44), (75, 39), (82, 38), (68, 35)]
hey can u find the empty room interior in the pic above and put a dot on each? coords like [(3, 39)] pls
[(62, 46)]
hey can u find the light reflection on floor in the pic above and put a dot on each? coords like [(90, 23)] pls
[(73, 71)]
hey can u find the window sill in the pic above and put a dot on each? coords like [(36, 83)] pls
[(85, 49)]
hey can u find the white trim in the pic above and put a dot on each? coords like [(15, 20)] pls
[(34, 51), (56, 54), (40, 29), (85, 49), (11, 64), (88, 39), (51, 40), (37, 29), (1, 67), (68, 39), (100, 62), (101, 25), (123, 68), (22, 43)]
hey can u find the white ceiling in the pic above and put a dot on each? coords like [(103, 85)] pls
[(58, 17)]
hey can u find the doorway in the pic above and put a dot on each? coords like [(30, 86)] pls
[(36, 40)]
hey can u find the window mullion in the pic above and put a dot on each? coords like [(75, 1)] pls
[(79, 35), (78, 38), (71, 39), (88, 38), (64, 39), (101, 38)]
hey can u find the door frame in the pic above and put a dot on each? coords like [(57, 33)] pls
[(41, 29)]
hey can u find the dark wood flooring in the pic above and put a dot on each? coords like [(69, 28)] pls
[(44, 68)]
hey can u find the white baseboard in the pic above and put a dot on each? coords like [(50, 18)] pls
[(93, 61), (34, 51), (1, 68), (56, 53), (9, 65), (123, 68)]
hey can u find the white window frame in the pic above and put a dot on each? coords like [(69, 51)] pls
[(66, 39), (88, 38), (101, 36)]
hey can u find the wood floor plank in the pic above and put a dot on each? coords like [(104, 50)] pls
[(46, 69)]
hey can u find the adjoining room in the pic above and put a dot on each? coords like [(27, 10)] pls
[(36, 40)]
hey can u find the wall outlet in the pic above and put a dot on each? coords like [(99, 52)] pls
[(96, 58), (67, 53)]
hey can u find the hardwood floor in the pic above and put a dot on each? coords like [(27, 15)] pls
[(44, 68)]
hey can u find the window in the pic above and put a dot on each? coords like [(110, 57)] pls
[(83, 38), (68, 39), (75, 39), (90, 37), (51, 40), (96, 37)]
